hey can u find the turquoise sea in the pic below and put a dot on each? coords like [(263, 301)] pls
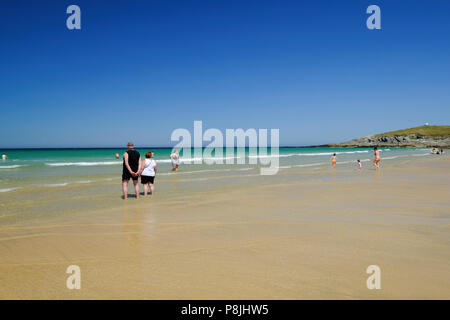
[(56, 168), (52, 183)]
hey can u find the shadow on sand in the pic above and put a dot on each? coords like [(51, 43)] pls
[(133, 195)]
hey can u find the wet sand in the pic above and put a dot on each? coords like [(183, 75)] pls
[(284, 238)]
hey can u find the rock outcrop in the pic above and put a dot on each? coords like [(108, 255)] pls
[(395, 141), (424, 137)]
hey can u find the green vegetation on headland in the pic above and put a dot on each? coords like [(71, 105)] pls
[(426, 131), (423, 136)]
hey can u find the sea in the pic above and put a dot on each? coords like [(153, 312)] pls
[(38, 184), (58, 168)]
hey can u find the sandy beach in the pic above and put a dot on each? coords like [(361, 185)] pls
[(282, 237)]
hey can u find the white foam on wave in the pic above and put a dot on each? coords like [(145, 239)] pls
[(310, 164), (421, 154), (8, 189), (63, 184), (202, 171), (245, 169), (191, 172), (54, 184), (83, 164), (11, 167), (311, 154), (184, 160)]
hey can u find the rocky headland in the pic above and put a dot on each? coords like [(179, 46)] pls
[(423, 136)]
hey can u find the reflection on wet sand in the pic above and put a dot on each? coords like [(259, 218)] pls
[(283, 237)]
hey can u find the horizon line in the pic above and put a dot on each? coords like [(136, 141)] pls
[(148, 147)]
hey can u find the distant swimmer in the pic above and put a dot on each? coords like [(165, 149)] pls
[(175, 157), (3, 157), (359, 164), (148, 172), (377, 159), (131, 167), (333, 160), (117, 156)]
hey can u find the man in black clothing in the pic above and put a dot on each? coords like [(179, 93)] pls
[(131, 166)]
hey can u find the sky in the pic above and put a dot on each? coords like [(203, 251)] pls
[(137, 70)]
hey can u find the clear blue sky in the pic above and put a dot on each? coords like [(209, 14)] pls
[(139, 69)]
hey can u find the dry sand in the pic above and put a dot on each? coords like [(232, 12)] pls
[(288, 239)]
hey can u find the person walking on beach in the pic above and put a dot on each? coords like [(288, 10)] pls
[(377, 159), (175, 157), (131, 166), (333, 160), (148, 172), (359, 164)]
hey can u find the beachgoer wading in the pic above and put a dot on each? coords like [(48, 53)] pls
[(148, 172), (131, 167), (333, 160), (377, 159), (175, 157)]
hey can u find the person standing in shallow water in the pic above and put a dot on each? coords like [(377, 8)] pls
[(377, 159), (148, 172), (175, 157), (131, 168), (333, 160)]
